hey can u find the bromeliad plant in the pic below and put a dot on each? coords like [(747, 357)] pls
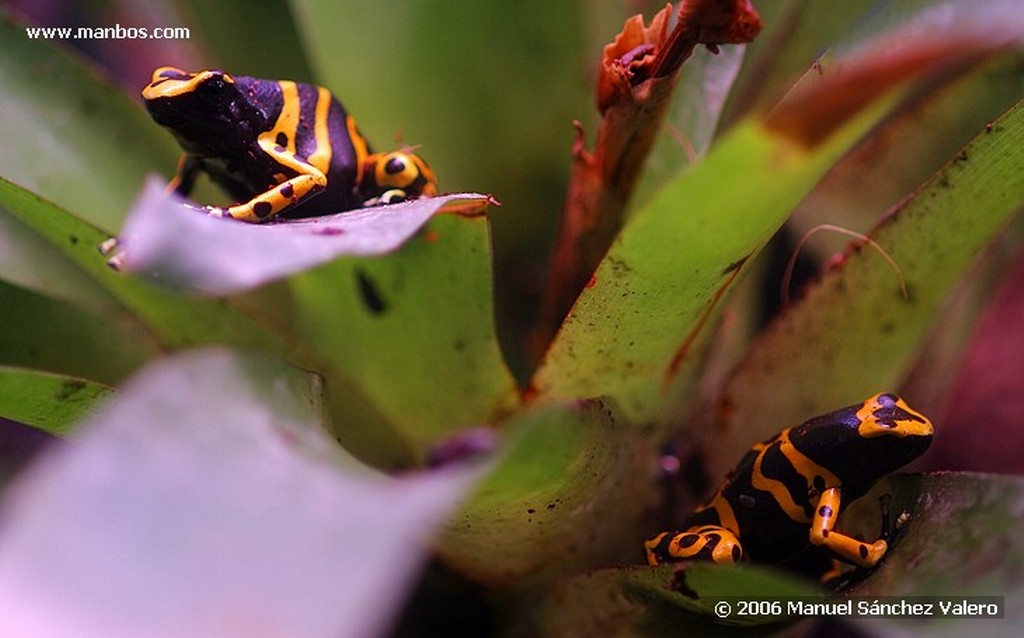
[(266, 471)]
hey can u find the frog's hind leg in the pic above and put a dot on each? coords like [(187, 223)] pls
[(704, 542)]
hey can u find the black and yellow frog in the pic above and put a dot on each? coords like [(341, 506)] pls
[(788, 491), (282, 149)]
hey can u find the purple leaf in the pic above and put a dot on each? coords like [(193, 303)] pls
[(181, 247)]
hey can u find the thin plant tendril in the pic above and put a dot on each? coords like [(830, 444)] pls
[(787, 276)]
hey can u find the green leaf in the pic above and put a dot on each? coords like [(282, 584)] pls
[(630, 330), (70, 137), (664, 601), (853, 332), (692, 117), (413, 331), (31, 262), (180, 247), (50, 402), (334, 309), (905, 152), (47, 334), (546, 507), (636, 329), (206, 501), (962, 540), (174, 321)]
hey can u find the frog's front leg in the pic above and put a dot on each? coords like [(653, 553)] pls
[(846, 547), (184, 175), (840, 573)]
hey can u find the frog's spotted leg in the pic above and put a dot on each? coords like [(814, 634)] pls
[(846, 547), (266, 205), (279, 144)]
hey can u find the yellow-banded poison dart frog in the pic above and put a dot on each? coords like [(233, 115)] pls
[(783, 499), (282, 149)]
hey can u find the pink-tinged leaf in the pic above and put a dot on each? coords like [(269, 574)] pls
[(206, 501), (183, 248)]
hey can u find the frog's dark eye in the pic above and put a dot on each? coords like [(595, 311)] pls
[(214, 83), (887, 400), (395, 165), (887, 411)]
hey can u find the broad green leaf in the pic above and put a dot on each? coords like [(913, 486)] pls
[(362, 429), (413, 331), (29, 261), (874, 176), (853, 333), (664, 601), (635, 331), (958, 353), (908, 147), (177, 246), (568, 492), (173, 321), (206, 501), (632, 327), (962, 540), (47, 334), (70, 137), (362, 348), (50, 402), (906, 151), (692, 117)]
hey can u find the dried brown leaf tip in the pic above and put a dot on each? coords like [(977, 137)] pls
[(637, 75), (629, 59), (642, 52), (721, 21)]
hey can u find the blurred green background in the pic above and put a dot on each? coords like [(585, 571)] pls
[(488, 91)]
